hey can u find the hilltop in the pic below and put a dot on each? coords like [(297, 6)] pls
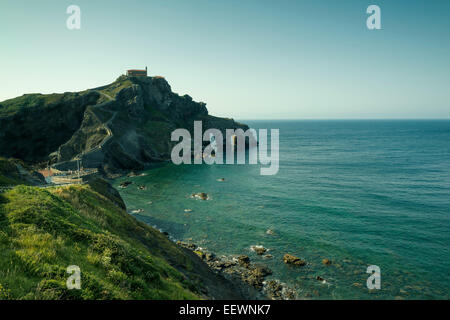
[(122, 126)]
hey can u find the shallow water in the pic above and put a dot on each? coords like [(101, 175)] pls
[(358, 193)]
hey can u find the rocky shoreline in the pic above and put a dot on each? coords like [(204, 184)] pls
[(239, 268)]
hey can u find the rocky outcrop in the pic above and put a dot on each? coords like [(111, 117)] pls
[(120, 127), (246, 275)]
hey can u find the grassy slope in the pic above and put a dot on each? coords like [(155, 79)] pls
[(42, 231)]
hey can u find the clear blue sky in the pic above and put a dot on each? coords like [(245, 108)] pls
[(246, 59)]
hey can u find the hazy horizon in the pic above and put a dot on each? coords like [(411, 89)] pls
[(255, 60)]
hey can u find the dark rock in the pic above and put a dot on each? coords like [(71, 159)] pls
[(243, 260), (125, 184), (186, 245), (209, 256)]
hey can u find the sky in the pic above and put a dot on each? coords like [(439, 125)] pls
[(247, 59)]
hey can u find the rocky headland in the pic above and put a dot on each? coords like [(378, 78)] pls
[(116, 128)]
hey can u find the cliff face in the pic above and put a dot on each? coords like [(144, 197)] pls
[(121, 126), (33, 126)]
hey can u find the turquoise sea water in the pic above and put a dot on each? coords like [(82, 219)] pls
[(358, 193)]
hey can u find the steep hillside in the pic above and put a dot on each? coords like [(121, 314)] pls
[(14, 172), (34, 125), (122, 126), (44, 230)]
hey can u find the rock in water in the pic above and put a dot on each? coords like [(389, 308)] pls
[(290, 259), (200, 195), (125, 184), (260, 250), (326, 262)]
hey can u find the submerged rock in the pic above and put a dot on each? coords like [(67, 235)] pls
[(290, 259), (326, 262)]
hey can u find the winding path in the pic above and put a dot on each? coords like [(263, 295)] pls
[(105, 125)]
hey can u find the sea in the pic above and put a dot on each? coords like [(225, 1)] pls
[(359, 193)]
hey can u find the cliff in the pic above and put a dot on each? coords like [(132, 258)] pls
[(122, 126)]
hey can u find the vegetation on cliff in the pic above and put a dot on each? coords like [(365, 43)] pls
[(43, 231), (118, 127)]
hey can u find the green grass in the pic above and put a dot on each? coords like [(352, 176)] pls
[(114, 88), (43, 231), (34, 100)]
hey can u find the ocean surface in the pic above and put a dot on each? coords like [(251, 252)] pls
[(356, 192)]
